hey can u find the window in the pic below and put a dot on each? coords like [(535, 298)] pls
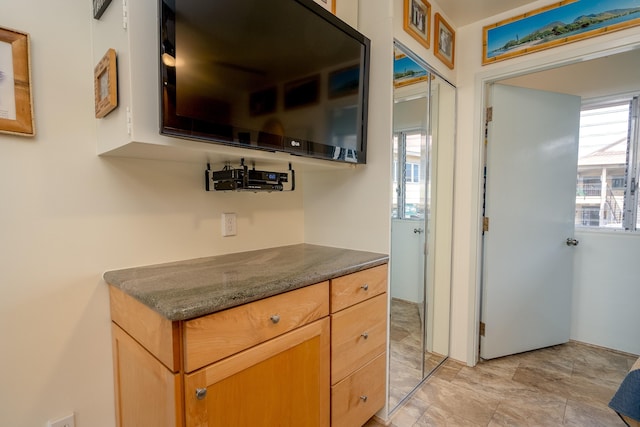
[(607, 182), (617, 182), (412, 172), (409, 168)]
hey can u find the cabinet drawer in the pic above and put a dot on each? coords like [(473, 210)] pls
[(357, 335), (359, 396), (210, 338), (357, 287)]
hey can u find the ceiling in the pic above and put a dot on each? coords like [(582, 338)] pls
[(599, 77), (615, 74), (464, 12)]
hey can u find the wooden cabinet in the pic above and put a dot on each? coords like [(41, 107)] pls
[(358, 346), (283, 360), (283, 382), (245, 366)]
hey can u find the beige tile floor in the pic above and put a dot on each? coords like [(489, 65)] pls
[(405, 351), (564, 385)]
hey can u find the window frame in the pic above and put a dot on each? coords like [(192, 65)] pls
[(630, 219)]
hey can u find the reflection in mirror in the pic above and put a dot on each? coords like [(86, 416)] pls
[(420, 261)]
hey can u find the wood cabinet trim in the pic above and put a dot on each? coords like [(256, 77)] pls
[(146, 391), (357, 287), (349, 348), (157, 334), (347, 407), (216, 336)]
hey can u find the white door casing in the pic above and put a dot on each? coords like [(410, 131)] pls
[(532, 149)]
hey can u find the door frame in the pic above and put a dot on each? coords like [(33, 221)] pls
[(557, 57)]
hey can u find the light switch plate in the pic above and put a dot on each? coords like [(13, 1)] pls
[(67, 421), (229, 224)]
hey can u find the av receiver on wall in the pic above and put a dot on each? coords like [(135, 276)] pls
[(245, 179)]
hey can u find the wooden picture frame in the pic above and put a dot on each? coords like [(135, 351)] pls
[(417, 20), (16, 104), (555, 25), (445, 45), (407, 72), (106, 84), (330, 5)]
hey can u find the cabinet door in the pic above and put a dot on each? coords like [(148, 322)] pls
[(282, 382), (147, 393)]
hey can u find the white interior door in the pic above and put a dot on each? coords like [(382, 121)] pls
[(532, 154), (408, 263)]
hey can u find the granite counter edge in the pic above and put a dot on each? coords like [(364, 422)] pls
[(208, 307)]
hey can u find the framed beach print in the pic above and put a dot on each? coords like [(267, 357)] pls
[(16, 109), (445, 45), (554, 25), (407, 72), (417, 20)]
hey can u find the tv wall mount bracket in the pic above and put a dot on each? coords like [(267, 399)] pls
[(245, 179)]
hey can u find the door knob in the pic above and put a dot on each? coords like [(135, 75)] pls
[(572, 242), (418, 230)]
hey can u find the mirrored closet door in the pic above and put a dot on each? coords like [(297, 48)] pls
[(421, 225)]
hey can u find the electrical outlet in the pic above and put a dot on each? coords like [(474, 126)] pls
[(67, 421), (229, 224)]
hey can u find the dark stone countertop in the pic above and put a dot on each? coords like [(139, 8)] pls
[(186, 289)]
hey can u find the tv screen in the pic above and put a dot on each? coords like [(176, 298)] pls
[(279, 75)]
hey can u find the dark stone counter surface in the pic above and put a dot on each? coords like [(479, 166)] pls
[(186, 289)]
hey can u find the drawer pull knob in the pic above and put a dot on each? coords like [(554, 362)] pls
[(365, 335), (365, 287), (201, 393), (363, 398), (275, 318)]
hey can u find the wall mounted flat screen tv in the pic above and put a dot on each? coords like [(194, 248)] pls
[(278, 75)]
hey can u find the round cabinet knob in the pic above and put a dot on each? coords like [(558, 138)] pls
[(363, 398), (365, 287), (201, 393), (365, 335), (275, 318)]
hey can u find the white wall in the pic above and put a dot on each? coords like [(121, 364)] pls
[(471, 76), (606, 290), (352, 208), (67, 216)]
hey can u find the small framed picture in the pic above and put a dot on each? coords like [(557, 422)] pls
[(106, 84), (445, 45), (330, 5), (99, 6), (16, 107), (417, 20)]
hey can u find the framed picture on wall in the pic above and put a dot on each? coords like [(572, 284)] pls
[(556, 25), (445, 45), (106, 84), (417, 20), (16, 108)]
